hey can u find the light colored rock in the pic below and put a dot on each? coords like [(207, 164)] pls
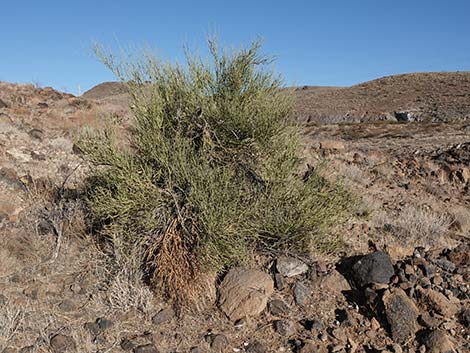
[(334, 283), (244, 292), (290, 266)]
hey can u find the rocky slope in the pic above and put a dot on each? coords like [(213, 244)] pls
[(438, 96), (419, 96), (399, 283)]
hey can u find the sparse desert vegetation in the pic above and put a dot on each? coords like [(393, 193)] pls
[(194, 187), (211, 173)]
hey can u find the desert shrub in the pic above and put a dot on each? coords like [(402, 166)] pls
[(210, 172)]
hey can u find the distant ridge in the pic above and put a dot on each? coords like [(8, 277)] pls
[(436, 96), (105, 90)]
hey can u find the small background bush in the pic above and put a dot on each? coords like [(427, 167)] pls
[(211, 172)]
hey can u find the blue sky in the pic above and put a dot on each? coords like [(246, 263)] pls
[(316, 42)]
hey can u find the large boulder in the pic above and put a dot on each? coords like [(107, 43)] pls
[(244, 292)]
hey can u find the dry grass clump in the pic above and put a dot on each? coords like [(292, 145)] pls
[(10, 321), (126, 292), (416, 225), (210, 172)]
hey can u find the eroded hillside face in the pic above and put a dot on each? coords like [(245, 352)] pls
[(414, 222), (409, 97)]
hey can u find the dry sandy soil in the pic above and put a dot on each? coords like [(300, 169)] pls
[(57, 292)]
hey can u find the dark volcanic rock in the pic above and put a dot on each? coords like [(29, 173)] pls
[(401, 314), (301, 294), (375, 267), (104, 323), (445, 264)]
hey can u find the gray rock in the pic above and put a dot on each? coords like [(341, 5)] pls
[(219, 343), (279, 281), (402, 315), (244, 292), (255, 347), (145, 348), (290, 266), (163, 316), (278, 307), (445, 264), (284, 327), (104, 323), (61, 343), (375, 267), (301, 294)]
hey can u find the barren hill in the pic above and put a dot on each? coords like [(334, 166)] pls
[(417, 96), (431, 96)]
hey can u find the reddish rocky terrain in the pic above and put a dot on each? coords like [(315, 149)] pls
[(399, 282)]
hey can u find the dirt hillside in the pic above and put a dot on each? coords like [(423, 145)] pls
[(417, 96), (399, 282)]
